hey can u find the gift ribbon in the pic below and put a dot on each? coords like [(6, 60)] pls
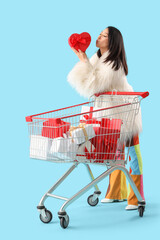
[(78, 40), (90, 155), (82, 126), (107, 146), (89, 116), (91, 120)]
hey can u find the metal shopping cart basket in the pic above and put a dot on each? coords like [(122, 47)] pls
[(94, 132)]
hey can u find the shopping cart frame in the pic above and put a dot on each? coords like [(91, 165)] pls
[(46, 216)]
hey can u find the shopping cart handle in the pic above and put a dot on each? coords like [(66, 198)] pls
[(29, 119), (142, 94)]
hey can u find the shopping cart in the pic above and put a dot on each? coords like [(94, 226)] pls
[(94, 132)]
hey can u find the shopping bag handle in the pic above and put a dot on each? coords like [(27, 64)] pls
[(142, 94)]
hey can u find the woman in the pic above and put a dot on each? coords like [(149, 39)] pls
[(106, 71)]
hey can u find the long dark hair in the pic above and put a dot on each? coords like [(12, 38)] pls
[(116, 50)]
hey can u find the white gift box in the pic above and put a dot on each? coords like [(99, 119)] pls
[(63, 148), (81, 135), (39, 146), (86, 109), (95, 115), (90, 147)]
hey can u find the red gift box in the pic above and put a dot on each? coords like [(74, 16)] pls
[(55, 127), (110, 129), (104, 150), (80, 41), (106, 138), (113, 125)]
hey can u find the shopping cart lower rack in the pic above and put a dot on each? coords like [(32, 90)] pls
[(94, 132)]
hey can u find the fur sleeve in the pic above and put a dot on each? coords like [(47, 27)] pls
[(95, 76), (82, 78)]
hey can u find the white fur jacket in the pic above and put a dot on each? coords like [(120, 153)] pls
[(94, 76)]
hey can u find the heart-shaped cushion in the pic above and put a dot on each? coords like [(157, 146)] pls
[(80, 41)]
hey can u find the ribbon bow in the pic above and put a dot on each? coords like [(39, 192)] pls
[(79, 39), (82, 126), (89, 120)]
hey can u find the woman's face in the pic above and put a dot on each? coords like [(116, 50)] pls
[(102, 40)]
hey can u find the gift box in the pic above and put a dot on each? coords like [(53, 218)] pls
[(107, 135), (113, 125), (88, 120), (109, 129), (63, 148), (105, 150), (80, 41), (90, 151), (39, 147), (82, 133), (54, 128), (99, 113), (86, 151), (88, 115), (91, 117)]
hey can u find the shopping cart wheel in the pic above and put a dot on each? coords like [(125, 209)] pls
[(141, 210), (47, 218), (64, 221), (91, 202)]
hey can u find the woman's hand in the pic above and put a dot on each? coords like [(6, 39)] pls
[(81, 55)]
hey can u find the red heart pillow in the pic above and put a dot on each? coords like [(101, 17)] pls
[(80, 41)]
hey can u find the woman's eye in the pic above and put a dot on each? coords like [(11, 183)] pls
[(102, 35)]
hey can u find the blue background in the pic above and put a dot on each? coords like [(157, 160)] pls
[(35, 59)]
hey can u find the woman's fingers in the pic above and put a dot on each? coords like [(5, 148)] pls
[(74, 50), (81, 55), (80, 51)]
